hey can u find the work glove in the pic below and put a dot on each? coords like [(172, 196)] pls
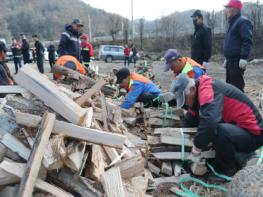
[(205, 64), (224, 64), (196, 151), (166, 97), (242, 64)]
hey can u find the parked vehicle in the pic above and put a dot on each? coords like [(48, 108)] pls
[(108, 53)]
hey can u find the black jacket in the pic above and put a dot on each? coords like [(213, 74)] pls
[(69, 43), (51, 52), (238, 38), (4, 74), (16, 50), (25, 47), (40, 49), (201, 44)]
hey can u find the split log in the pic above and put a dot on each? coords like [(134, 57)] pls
[(47, 91), (74, 131), (14, 90), (153, 168), (34, 162), (18, 170), (104, 112), (167, 168), (112, 183), (75, 155)]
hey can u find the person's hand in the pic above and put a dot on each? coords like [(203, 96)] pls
[(224, 64), (242, 64), (166, 97), (196, 151), (205, 64)]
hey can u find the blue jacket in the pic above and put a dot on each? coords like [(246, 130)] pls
[(137, 89), (238, 38), (69, 43)]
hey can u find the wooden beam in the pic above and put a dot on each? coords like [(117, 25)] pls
[(112, 183), (153, 168), (82, 133), (14, 144), (175, 140), (104, 112), (167, 168), (81, 101), (13, 90), (34, 162), (153, 140), (18, 170), (170, 131), (48, 92)]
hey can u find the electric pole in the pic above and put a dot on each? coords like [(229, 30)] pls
[(132, 21)]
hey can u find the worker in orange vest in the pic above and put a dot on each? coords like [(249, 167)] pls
[(69, 62), (179, 64)]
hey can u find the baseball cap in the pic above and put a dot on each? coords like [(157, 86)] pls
[(2, 47), (178, 87), (77, 22), (122, 74), (170, 55), (234, 4), (197, 13), (71, 65)]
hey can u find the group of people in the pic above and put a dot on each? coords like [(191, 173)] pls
[(225, 117), (130, 55)]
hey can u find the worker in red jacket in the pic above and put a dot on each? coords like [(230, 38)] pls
[(127, 52), (226, 119), (87, 51)]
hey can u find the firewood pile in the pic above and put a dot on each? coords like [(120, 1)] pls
[(63, 140)]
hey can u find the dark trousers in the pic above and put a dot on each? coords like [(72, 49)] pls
[(26, 58), (40, 63), (17, 62), (234, 74), (148, 100), (126, 61), (52, 62)]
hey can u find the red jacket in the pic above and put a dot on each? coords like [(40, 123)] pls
[(127, 52), (87, 45)]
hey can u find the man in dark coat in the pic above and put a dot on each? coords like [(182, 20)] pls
[(16, 51), (40, 51), (69, 41), (51, 55), (25, 49), (201, 41), (237, 44)]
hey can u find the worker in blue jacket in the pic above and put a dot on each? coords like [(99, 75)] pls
[(139, 88)]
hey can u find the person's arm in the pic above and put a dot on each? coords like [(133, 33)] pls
[(62, 45), (209, 117), (246, 33), (91, 51), (207, 44), (132, 96)]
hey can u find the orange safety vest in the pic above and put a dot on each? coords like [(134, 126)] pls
[(137, 77), (188, 67), (64, 59)]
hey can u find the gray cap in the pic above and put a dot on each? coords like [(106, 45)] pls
[(77, 22), (178, 87)]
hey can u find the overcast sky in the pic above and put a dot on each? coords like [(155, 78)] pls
[(152, 9)]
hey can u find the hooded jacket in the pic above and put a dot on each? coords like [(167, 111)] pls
[(69, 43)]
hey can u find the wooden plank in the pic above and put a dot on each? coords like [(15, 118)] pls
[(169, 131), (48, 92), (14, 144), (173, 140), (81, 101), (153, 168), (153, 140), (178, 169), (112, 183), (82, 133), (34, 162), (131, 167), (167, 168), (18, 170), (104, 112), (13, 90), (111, 152), (188, 156)]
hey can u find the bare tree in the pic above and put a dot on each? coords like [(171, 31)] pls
[(126, 31), (141, 30), (211, 19), (115, 25)]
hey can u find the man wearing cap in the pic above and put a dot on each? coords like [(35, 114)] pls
[(69, 41), (139, 88), (201, 41), (40, 54), (5, 75), (178, 64), (67, 61), (237, 44), (226, 119)]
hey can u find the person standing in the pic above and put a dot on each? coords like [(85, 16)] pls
[(87, 51), (16, 50), (237, 44), (69, 41), (51, 55), (25, 49), (201, 41), (40, 50), (134, 55), (127, 52)]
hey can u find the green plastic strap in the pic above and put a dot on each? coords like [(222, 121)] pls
[(182, 142), (219, 175), (165, 114), (186, 192), (260, 157)]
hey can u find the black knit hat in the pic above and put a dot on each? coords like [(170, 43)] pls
[(122, 74)]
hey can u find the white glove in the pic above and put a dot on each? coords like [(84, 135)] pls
[(205, 64), (166, 97), (224, 64), (196, 151), (242, 64)]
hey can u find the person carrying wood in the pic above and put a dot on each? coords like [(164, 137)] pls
[(178, 64), (139, 88), (65, 64), (226, 119)]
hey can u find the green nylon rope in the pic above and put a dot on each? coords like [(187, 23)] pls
[(260, 157), (182, 142), (218, 174)]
